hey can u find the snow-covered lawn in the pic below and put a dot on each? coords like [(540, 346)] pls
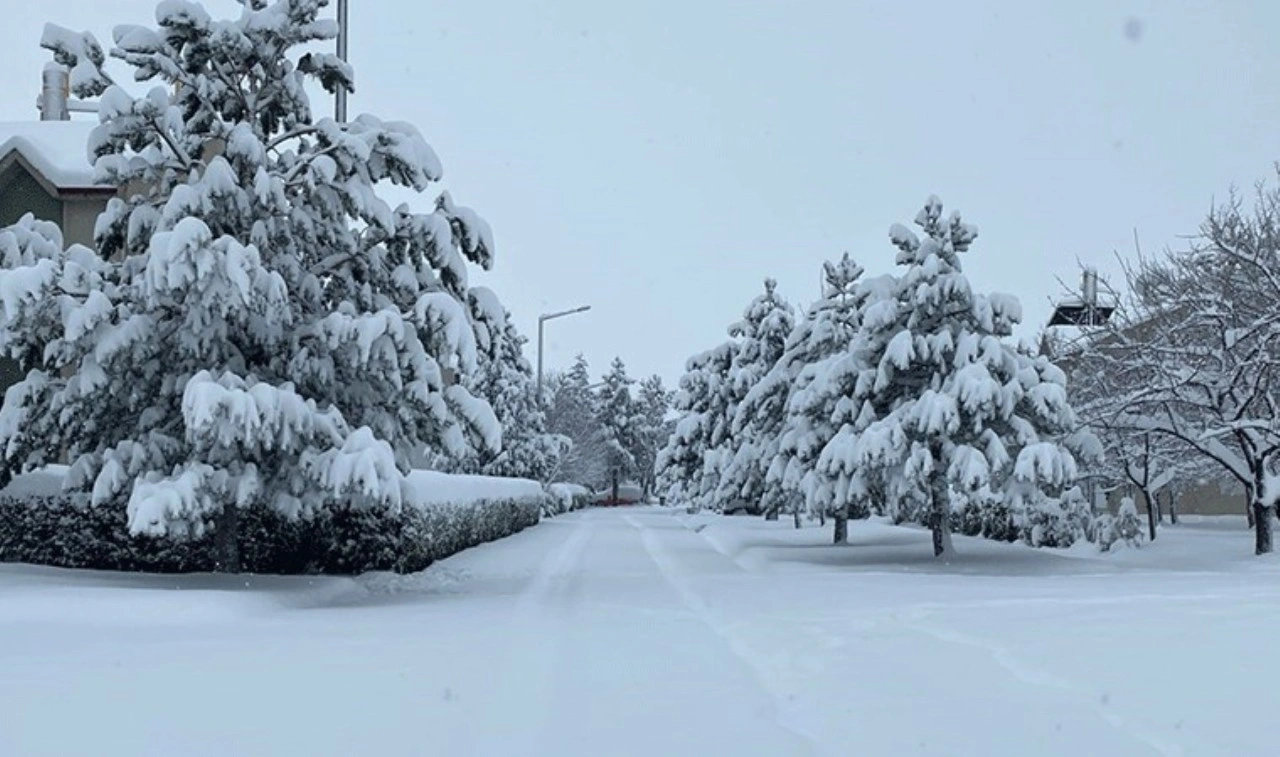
[(649, 631)]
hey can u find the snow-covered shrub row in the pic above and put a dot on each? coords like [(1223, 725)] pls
[(566, 498), (64, 531), (903, 395)]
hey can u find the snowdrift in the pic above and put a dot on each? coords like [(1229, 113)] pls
[(443, 514)]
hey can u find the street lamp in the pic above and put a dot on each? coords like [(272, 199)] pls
[(340, 99), (541, 320)]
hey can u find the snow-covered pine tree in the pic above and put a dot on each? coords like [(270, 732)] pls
[(946, 402), (824, 347), (686, 464), (620, 422), (654, 402), (572, 414), (758, 400), (505, 380), (256, 326)]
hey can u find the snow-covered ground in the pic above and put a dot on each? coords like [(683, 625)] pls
[(648, 631)]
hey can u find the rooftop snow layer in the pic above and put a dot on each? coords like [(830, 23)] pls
[(57, 149)]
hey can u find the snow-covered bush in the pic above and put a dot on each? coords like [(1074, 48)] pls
[(566, 498), (1125, 527), (66, 531), (983, 513)]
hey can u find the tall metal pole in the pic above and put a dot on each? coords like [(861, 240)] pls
[(541, 320), (340, 102)]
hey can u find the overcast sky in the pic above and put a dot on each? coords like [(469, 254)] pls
[(657, 160)]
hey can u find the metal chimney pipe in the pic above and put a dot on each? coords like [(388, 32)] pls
[(1089, 287), (55, 91)]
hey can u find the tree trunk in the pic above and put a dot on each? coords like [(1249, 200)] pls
[(226, 540), (795, 515), (771, 514), (841, 520), (1173, 508), (1262, 529), (615, 487), (1248, 507), (822, 517), (940, 520), (1151, 514)]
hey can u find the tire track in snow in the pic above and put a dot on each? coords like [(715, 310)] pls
[(1034, 676), (557, 566), (783, 714), (534, 648)]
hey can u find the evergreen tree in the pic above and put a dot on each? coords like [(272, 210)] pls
[(572, 414), (821, 367), (687, 465), (256, 326), (505, 380), (654, 403), (947, 407), (620, 422), (758, 396)]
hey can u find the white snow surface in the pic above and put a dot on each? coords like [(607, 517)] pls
[(427, 488), (644, 631), (58, 149), (423, 488), (44, 482)]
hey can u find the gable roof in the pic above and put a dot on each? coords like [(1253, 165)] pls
[(57, 151)]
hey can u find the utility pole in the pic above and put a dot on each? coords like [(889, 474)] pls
[(340, 101), (541, 320)]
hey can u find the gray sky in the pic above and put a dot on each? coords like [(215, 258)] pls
[(657, 160)]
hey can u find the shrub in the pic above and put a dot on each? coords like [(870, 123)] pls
[(62, 531), (565, 498)]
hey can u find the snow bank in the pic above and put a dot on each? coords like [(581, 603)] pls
[(45, 482)]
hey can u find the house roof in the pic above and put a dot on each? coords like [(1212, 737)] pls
[(58, 150)]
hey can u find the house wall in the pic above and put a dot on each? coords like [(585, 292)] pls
[(20, 194), (1209, 498), (78, 218)]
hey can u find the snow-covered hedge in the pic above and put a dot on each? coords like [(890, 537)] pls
[(40, 525), (566, 498)]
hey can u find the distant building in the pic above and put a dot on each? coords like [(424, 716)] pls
[(45, 171)]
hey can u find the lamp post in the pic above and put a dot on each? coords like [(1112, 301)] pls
[(541, 320), (340, 100)]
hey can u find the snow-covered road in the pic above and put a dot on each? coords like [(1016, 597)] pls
[(650, 632)]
